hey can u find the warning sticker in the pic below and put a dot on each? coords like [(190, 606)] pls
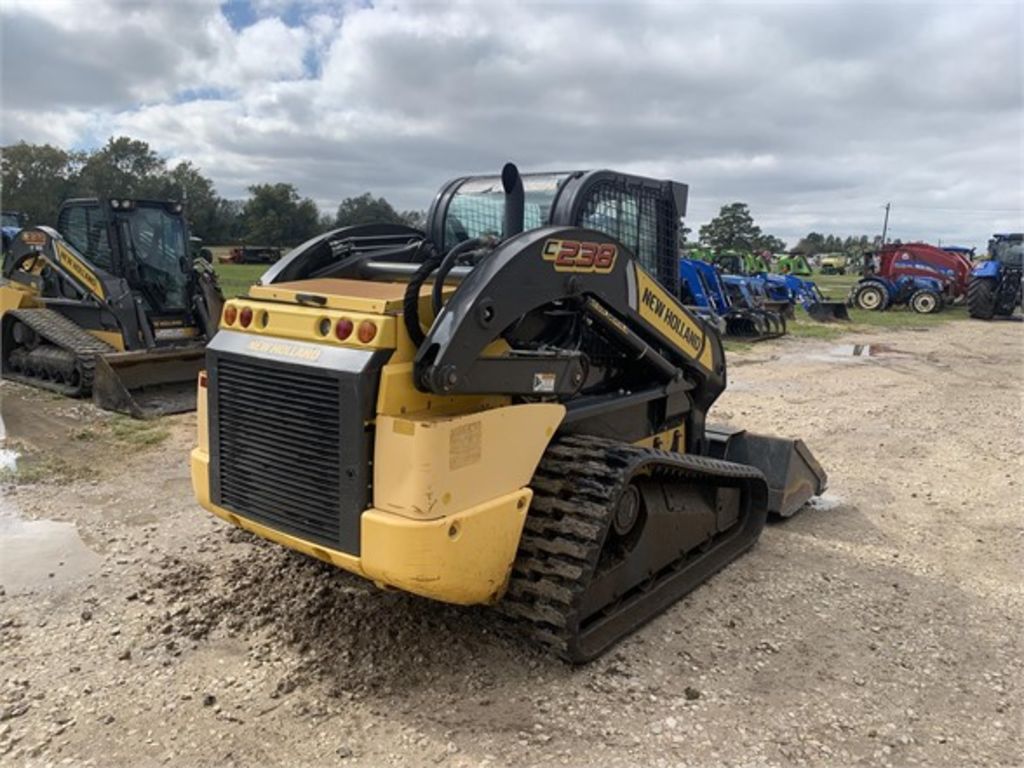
[(465, 445), (543, 382)]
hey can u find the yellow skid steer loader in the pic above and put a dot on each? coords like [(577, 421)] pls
[(508, 407), (110, 304)]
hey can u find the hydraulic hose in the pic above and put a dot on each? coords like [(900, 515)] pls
[(411, 300), (449, 260)]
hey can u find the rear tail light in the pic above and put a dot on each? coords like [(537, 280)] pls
[(245, 317), (230, 314), (202, 379), (367, 330), (343, 329)]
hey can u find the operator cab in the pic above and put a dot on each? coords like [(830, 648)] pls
[(641, 213), (143, 241), (1007, 249)]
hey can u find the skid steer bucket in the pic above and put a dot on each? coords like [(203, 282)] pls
[(825, 311), (793, 474), (148, 384)]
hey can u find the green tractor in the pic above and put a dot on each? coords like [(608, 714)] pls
[(700, 254), (793, 264), (742, 263)]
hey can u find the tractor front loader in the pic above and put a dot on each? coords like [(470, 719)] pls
[(108, 305), (507, 408)]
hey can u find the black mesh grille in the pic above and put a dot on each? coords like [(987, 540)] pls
[(278, 446), (640, 218)]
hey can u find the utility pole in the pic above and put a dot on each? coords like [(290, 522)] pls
[(885, 226)]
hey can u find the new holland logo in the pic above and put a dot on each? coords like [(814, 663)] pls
[(84, 275), (283, 349), (580, 256)]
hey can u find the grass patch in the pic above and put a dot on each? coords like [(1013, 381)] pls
[(235, 279), (38, 467), (138, 432), (901, 317), (809, 329), (835, 287)]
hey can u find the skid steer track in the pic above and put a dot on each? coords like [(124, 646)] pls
[(65, 362), (582, 580)]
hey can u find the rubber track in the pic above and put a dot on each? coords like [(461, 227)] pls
[(575, 488), (61, 332)]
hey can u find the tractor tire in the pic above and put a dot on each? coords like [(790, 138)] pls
[(871, 297), (925, 302), (981, 298)]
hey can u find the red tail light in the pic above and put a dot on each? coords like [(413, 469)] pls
[(230, 314), (367, 330), (245, 317), (343, 329), (202, 379)]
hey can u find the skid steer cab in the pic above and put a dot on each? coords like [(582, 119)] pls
[(110, 304), (507, 407)]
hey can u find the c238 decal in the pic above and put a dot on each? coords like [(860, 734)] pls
[(580, 256)]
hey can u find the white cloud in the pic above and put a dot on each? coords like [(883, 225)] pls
[(815, 114)]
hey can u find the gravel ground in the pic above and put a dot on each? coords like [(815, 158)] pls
[(880, 627)]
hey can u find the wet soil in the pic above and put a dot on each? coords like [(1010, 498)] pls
[(880, 626)]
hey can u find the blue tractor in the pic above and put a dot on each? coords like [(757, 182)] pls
[(876, 293), (736, 309), (784, 292), (994, 289), (702, 296)]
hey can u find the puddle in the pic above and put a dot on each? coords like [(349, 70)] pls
[(39, 554), (866, 350), (852, 353), (8, 456), (8, 459), (36, 554)]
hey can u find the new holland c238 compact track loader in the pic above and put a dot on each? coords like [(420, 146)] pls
[(508, 407)]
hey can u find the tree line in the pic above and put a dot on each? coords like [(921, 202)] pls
[(734, 229), (36, 178)]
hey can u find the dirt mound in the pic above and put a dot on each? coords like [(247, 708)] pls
[(331, 625)]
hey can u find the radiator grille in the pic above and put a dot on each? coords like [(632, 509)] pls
[(278, 446)]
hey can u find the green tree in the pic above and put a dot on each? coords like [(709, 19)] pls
[(732, 229), (415, 219), (769, 243), (35, 178), (811, 244), (124, 166), (683, 237), (187, 184), (276, 215), (366, 209)]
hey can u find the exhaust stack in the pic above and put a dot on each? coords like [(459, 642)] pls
[(515, 200)]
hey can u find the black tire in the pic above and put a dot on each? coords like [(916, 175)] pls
[(842, 270), (981, 298), (925, 302), (871, 297)]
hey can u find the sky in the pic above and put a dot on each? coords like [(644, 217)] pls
[(814, 113)]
